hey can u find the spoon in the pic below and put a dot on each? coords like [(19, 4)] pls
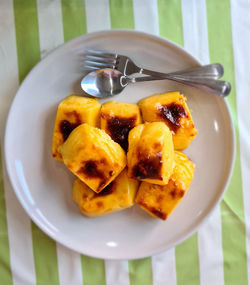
[(109, 82)]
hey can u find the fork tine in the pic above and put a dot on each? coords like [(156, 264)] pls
[(99, 59), (98, 64), (88, 67), (101, 53)]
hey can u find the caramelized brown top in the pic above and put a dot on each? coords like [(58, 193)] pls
[(172, 113), (119, 128), (148, 167), (158, 212), (66, 128), (107, 190), (90, 169), (99, 204), (173, 193)]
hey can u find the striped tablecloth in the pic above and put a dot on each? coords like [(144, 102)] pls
[(213, 31)]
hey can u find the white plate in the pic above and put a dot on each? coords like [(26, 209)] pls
[(44, 186)]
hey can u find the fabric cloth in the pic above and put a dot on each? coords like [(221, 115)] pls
[(213, 31)]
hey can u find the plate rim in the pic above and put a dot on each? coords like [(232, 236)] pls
[(63, 241)]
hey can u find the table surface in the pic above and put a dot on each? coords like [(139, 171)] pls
[(213, 31)]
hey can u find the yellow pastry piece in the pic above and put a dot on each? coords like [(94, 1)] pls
[(71, 112), (117, 119), (151, 153), (118, 195), (172, 109), (160, 201), (93, 156)]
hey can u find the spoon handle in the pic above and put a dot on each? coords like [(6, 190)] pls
[(217, 87)]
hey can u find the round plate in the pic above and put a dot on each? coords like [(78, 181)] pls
[(44, 186)]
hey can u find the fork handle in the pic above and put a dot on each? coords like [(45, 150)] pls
[(217, 87), (209, 71)]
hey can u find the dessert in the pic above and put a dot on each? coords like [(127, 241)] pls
[(159, 201), (117, 119), (171, 108), (71, 112), (151, 153), (92, 141), (118, 195), (93, 156)]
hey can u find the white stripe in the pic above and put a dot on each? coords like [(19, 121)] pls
[(163, 266), (210, 249), (20, 239), (195, 29), (50, 25), (51, 35), (146, 16), (69, 266), (146, 20), (19, 226), (241, 46), (116, 272), (8, 58), (97, 14)]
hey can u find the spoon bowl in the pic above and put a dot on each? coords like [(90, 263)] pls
[(103, 82)]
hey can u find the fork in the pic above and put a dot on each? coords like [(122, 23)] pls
[(202, 77), (94, 60)]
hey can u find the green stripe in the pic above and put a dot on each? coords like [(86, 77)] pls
[(45, 258), (232, 208), (187, 262), (27, 37), (121, 14), (186, 254), (74, 18), (170, 20), (93, 271), (5, 271), (28, 53), (140, 272)]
